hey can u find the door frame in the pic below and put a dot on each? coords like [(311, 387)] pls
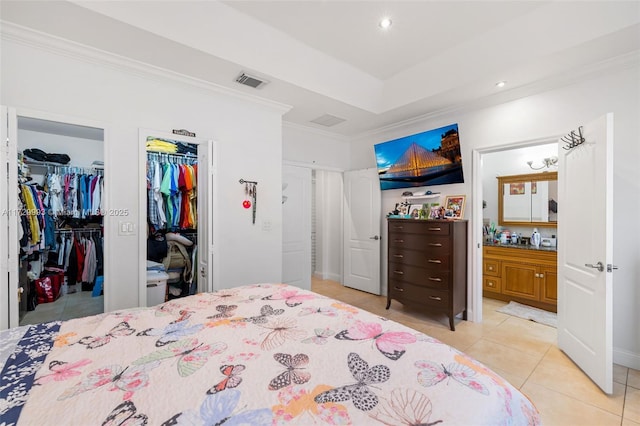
[(212, 280), (305, 207), (78, 121), (325, 248), (474, 292)]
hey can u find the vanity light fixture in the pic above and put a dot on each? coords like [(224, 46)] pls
[(546, 163), (501, 84), (385, 23)]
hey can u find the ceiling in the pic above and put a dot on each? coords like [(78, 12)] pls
[(330, 57)]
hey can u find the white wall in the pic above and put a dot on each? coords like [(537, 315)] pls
[(555, 113), (314, 147), (248, 138)]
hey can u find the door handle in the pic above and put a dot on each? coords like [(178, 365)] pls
[(375, 237), (599, 266)]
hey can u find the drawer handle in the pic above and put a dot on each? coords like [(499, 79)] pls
[(398, 227), (435, 245), (435, 229), (491, 284), (490, 268), (398, 288), (435, 298), (435, 279), (398, 241), (398, 255), (434, 261), (398, 272)]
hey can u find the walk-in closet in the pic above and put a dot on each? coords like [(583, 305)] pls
[(60, 213), (172, 219)]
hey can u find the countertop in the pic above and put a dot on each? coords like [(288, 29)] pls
[(521, 246)]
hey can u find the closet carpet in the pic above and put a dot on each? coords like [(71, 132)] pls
[(74, 305)]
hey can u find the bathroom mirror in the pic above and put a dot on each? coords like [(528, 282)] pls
[(530, 199)]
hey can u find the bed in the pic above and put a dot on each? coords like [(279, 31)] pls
[(261, 354)]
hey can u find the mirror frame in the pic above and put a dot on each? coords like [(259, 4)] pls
[(533, 177)]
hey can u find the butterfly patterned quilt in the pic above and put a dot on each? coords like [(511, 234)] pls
[(263, 354)]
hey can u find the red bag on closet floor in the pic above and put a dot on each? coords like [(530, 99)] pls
[(48, 288)]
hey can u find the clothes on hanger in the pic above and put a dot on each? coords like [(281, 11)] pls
[(171, 193)]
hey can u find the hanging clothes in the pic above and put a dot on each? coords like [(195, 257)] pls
[(171, 194)]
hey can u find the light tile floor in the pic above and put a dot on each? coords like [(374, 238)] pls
[(523, 352), (74, 305)]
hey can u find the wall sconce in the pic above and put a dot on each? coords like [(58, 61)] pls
[(546, 163)]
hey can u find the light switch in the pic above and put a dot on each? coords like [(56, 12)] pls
[(126, 228)]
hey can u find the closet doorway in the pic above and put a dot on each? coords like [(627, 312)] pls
[(56, 189), (176, 216)]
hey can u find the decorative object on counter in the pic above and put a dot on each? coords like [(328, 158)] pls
[(514, 238), (572, 139), (436, 211), (535, 238), (454, 206), (251, 191)]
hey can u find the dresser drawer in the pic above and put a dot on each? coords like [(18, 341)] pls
[(493, 284), (433, 259), (421, 227), (491, 267), (419, 242), (419, 295), (434, 278)]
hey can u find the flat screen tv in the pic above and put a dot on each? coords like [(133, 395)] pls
[(424, 159)]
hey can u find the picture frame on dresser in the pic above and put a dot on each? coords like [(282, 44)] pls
[(454, 206), (414, 210)]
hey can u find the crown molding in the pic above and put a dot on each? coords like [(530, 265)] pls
[(315, 131), (74, 50), (557, 81)]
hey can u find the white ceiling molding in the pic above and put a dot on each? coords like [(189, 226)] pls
[(250, 43), (49, 43), (315, 130), (619, 63)]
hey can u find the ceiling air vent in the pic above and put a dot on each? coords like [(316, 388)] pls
[(328, 120), (250, 80)]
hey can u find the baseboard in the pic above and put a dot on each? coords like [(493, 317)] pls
[(319, 275), (626, 358)]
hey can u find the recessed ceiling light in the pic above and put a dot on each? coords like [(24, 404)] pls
[(500, 84), (385, 23)]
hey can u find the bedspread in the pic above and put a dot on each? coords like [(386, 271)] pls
[(262, 354)]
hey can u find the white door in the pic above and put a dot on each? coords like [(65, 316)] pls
[(296, 226), (362, 230), (9, 307), (585, 254), (206, 213)]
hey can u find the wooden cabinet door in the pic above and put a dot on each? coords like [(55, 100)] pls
[(521, 280), (548, 284)]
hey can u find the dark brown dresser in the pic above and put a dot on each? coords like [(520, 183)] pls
[(428, 265)]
